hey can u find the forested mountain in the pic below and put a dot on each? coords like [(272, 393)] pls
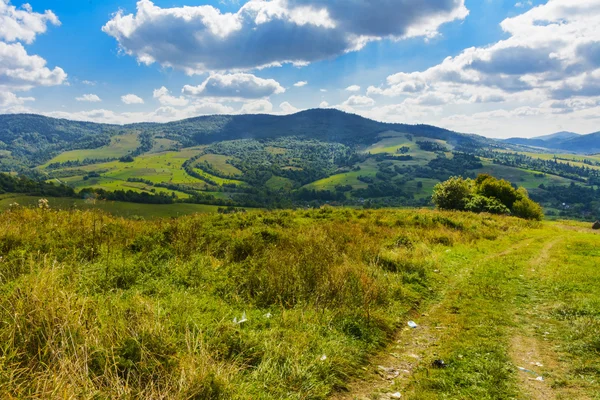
[(34, 139)]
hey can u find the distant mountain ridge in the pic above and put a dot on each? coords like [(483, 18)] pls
[(563, 135), (565, 141)]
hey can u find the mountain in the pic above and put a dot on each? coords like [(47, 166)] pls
[(35, 139), (565, 141), (563, 135)]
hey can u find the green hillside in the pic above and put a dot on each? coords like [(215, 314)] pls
[(311, 158), (296, 305)]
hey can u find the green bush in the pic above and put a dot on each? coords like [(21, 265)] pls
[(452, 194), (480, 204), (485, 194), (528, 209)]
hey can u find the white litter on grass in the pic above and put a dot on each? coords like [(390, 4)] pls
[(323, 357), (241, 321), (268, 315), (540, 378), (396, 395), (537, 364), (412, 324)]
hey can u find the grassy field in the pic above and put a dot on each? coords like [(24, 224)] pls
[(119, 147), (517, 320), (297, 305), (219, 162), (521, 177), (573, 159), (117, 208), (368, 168)]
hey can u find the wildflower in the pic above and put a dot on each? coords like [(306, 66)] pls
[(43, 204)]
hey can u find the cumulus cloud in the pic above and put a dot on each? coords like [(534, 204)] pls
[(21, 71), (132, 99), (8, 99), (324, 104), (91, 98), (353, 88), (22, 24), (241, 86), (301, 84), (287, 108), (262, 33), (257, 107), (551, 54), (161, 114), (359, 101), (166, 99), (548, 46)]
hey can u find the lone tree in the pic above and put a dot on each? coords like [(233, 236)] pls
[(486, 194)]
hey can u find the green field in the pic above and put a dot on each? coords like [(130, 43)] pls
[(368, 168), (117, 208), (219, 162), (119, 146), (522, 177), (297, 305)]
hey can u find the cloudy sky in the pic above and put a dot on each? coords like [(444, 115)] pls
[(494, 67)]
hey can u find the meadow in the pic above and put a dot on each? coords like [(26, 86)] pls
[(116, 208), (295, 305)]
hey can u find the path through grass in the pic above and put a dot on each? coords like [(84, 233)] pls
[(531, 300)]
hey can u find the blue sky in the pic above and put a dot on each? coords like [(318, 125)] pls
[(492, 67)]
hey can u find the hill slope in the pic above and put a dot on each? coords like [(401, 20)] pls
[(34, 139)]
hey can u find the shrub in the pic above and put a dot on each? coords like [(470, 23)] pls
[(480, 204), (452, 194), (488, 186), (528, 209)]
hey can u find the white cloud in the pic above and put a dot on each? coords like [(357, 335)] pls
[(91, 98), (359, 101), (20, 71), (241, 86), (257, 107), (197, 39), (166, 99), (287, 108), (89, 83), (23, 24), (551, 53), (324, 104), (8, 99), (522, 4), (323, 90), (353, 88), (301, 84), (132, 99), (161, 114)]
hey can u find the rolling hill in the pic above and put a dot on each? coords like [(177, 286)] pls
[(34, 139), (309, 158)]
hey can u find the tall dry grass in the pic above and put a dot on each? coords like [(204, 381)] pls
[(94, 306)]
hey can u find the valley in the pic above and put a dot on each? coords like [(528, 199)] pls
[(308, 159)]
